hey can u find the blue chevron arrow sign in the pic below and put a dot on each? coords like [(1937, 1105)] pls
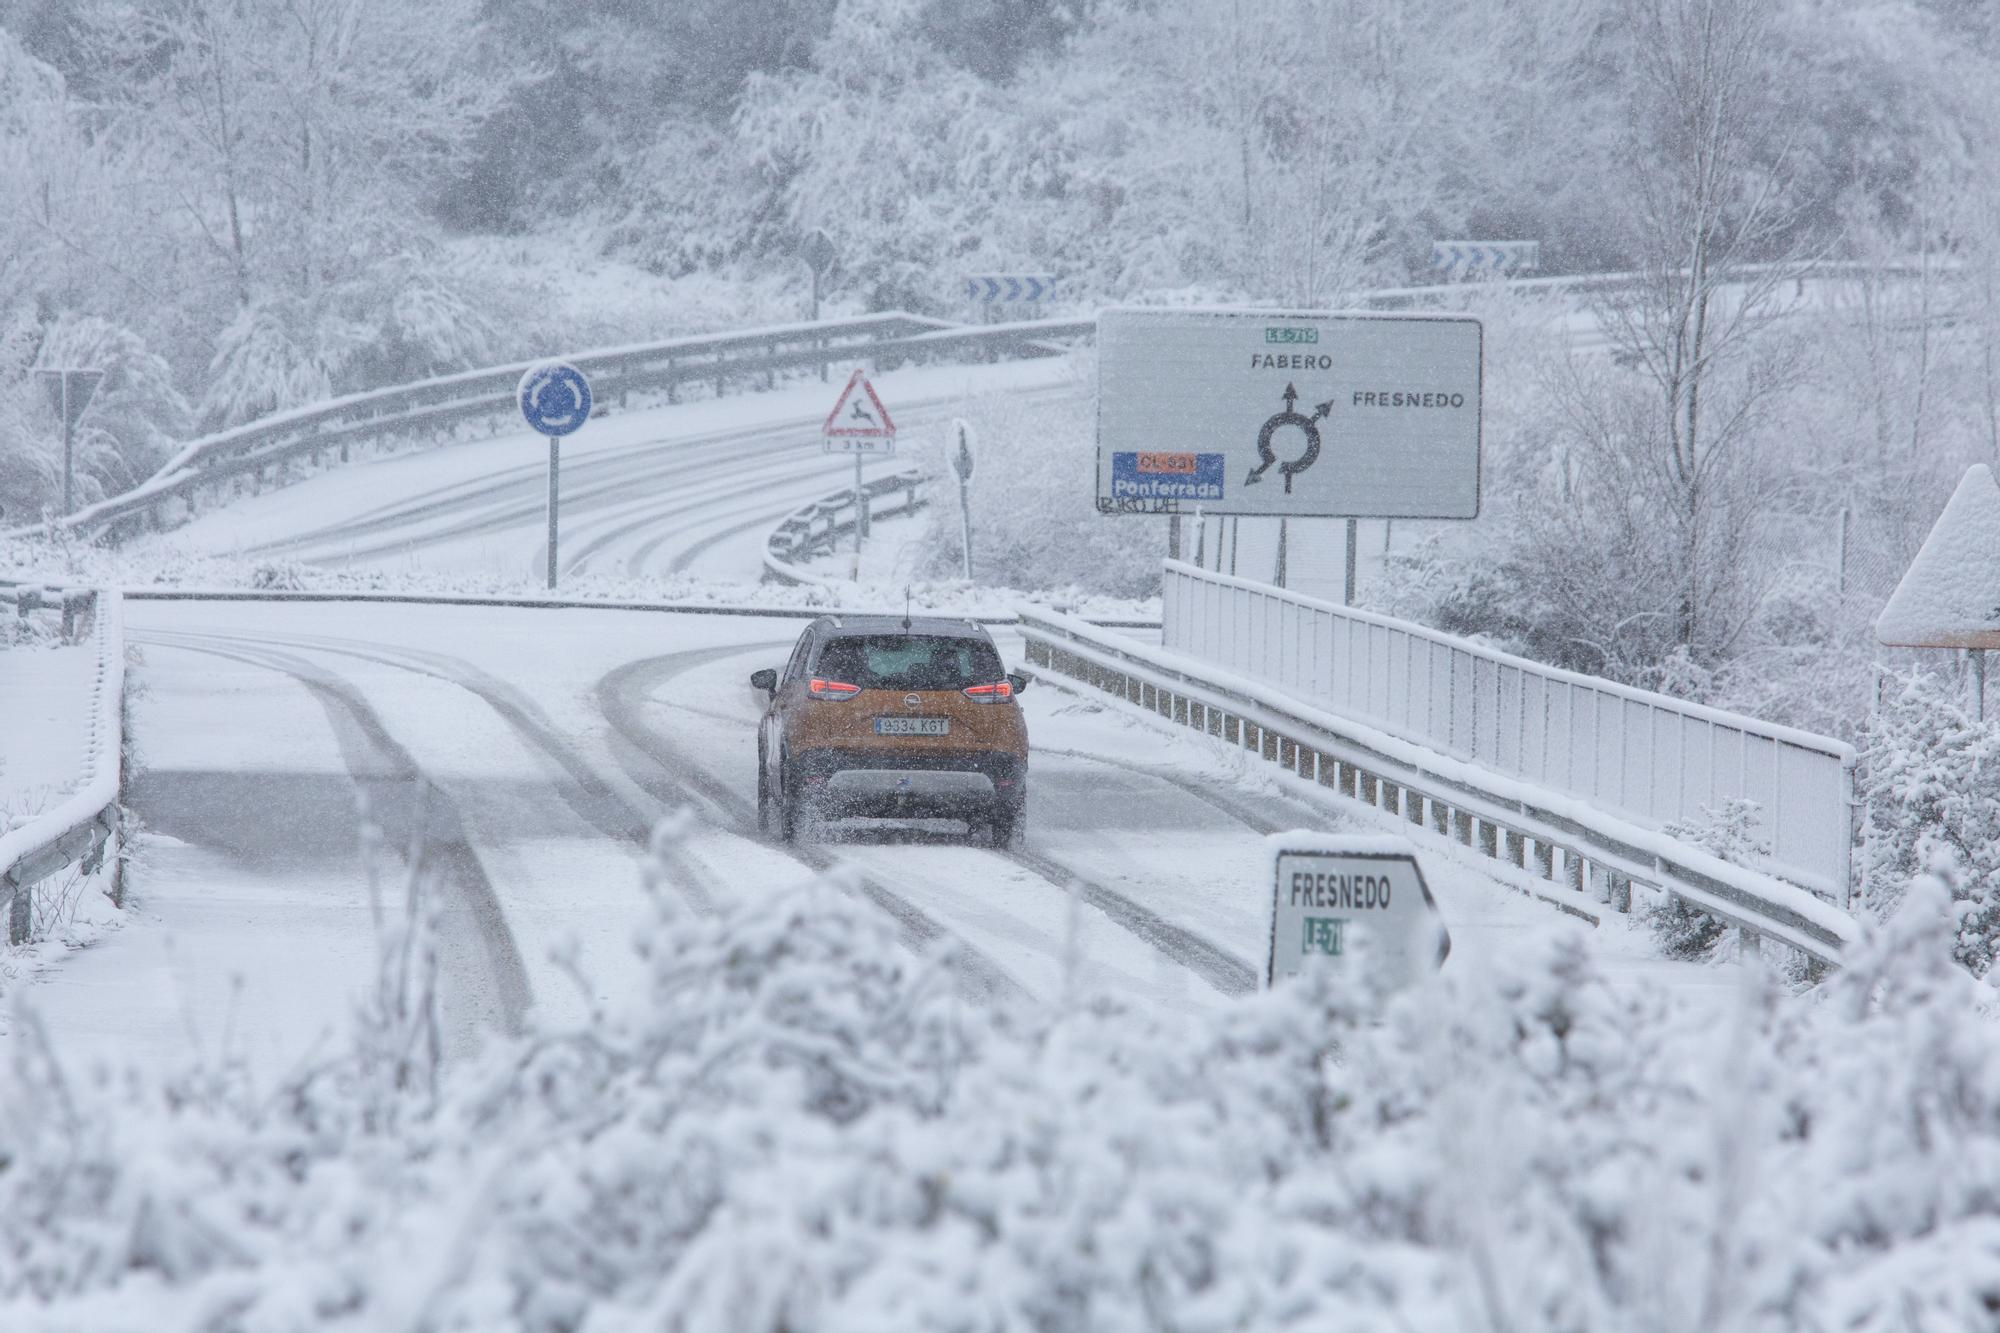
[(1482, 259), (1009, 288)]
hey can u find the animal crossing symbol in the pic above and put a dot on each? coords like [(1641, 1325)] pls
[(1308, 425)]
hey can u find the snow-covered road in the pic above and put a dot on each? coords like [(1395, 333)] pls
[(688, 490), (532, 750)]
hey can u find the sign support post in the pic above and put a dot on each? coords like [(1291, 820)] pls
[(555, 463), (69, 452), (69, 392), (858, 425), (1353, 553), (859, 501), (961, 463), (555, 400)]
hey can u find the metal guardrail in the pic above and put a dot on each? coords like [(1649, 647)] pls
[(1571, 841), (1390, 298), (451, 400), (81, 827), (77, 607), (1649, 757), (815, 528), (756, 356)]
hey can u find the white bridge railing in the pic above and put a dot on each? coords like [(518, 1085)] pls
[(1648, 758), (1578, 851)]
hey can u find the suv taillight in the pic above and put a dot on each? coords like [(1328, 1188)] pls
[(997, 693), (821, 688)]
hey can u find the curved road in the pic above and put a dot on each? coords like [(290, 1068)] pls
[(524, 756), (651, 493)]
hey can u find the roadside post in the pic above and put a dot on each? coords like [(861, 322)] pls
[(818, 252), (1348, 897), (860, 425), (961, 463), (1950, 595), (555, 400), (1288, 415), (69, 391)]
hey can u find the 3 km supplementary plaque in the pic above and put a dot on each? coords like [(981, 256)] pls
[(1298, 414)]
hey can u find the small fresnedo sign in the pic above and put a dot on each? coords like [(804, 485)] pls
[(1346, 898)]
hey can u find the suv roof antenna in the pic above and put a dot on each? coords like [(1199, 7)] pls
[(906, 608)]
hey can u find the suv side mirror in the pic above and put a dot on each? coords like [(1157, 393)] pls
[(765, 680), (1017, 680)]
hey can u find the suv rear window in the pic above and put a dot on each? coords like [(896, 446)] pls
[(910, 662)]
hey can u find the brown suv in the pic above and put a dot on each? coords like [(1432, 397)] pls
[(892, 718)]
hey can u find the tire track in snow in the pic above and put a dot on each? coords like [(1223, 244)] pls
[(622, 811), (425, 816), (657, 764), (623, 694)]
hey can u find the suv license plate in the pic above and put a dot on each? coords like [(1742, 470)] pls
[(912, 726)]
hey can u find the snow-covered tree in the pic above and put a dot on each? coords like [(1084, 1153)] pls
[(298, 143), (1933, 788)]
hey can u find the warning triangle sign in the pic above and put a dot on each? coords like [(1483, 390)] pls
[(1950, 598), (858, 414)]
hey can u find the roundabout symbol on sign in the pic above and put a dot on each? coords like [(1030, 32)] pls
[(555, 398), (1308, 424)]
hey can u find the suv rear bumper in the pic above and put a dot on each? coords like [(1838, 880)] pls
[(890, 785)]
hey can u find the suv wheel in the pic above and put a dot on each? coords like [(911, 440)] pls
[(764, 811), (1006, 824), (790, 798)]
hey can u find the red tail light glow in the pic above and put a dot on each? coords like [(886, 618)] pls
[(821, 688), (997, 693)]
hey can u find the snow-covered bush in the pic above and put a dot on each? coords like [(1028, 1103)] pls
[(278, 352), (1728, 833), (1932, 785), (1034, 523), (796, 1123)]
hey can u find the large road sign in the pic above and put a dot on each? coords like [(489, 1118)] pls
[(1473, 259), (859, 423), (1342, 897), (1288, 414)]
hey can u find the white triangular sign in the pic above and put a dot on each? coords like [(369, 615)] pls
[(858, 413), (1950, 598)]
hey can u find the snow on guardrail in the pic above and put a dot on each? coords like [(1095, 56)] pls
[(81, 828), (1651, 758), (435, 405), (816, 527), (1504, 817), (447, 401)]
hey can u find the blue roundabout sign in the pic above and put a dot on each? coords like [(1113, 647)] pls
[(555, 398)]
